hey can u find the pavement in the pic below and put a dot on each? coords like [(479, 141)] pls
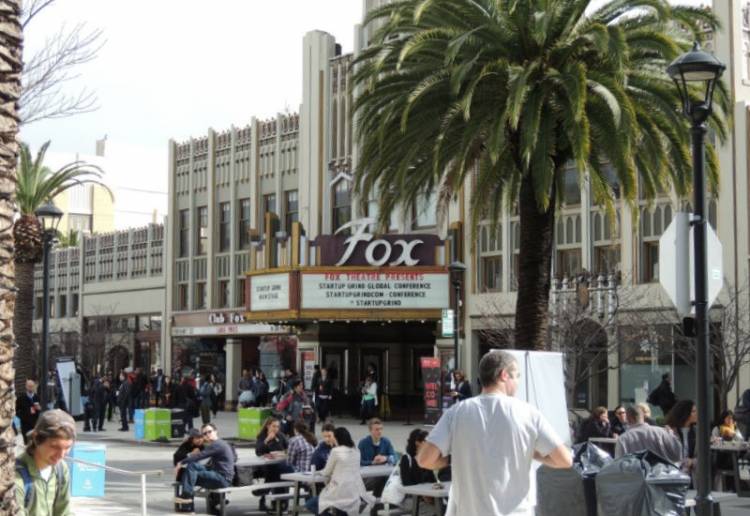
[(123, 493)]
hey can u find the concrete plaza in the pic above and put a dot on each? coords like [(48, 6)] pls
[(123, 493)]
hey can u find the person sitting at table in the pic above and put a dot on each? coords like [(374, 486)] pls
[(412, 474), (271, 441), (326, 444), (646, 409), (344, 491), (726, 430), (301, 447), (642, 436), (374, 450), (193, 443), (595, 426), (619, 421)]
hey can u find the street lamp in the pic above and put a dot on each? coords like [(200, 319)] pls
[(49, 217), (456, 269), (696, 74)]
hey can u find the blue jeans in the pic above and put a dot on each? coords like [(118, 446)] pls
[(198, 475)]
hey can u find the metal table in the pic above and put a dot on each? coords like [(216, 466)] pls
[(736, 449), (427, 490), (313, 478)]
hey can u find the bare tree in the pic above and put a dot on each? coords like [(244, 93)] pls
[(48, 71)]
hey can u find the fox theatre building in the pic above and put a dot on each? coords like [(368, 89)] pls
[(357, 303)]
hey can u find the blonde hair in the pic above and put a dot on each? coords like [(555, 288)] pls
[(52, 424), (644, 408)]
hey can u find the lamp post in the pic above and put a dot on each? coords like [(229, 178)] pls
[(456, 269), (696, 74), (49, 217)]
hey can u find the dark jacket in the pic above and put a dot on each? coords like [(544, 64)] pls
[(222, 455), (617, 426), (124, 394), (464, 391), (594, 427), (663, 397), (279, 443), (184, 450), (320, 456), (186, 397), (24, 405), (411, 473), (99, 394)]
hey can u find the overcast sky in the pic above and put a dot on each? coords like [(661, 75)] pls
[(173, 68)]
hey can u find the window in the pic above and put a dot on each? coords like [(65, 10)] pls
[(606, 259), (184, 229), (650, 261), (223, 293), (244, 223), (200, 300), (201, 235), (74, 307), (342, 204), (291, 209), (515, 262), (224, 226), (241, 292), (63, 306), (52, 310), (182, 296), (490, 247), (269, 203), (38, 308), (425, 211), (79, 222), (568, 262), (571, 188)]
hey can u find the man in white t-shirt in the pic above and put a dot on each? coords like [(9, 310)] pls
[(490, 441)]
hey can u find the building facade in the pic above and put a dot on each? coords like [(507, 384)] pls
[(107, 300), (274, 262)]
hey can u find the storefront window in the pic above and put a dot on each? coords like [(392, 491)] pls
[(276, 354), (199, 356)]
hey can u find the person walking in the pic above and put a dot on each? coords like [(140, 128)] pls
[(124, 394), (490, 441), (663, 396), (28, 409), (42, 479), (157, 386), (369, 401), (462, 390), (206, 397), (218, 391), (323, 396), (186, 399)]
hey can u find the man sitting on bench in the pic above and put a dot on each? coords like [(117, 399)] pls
[(218, 473)]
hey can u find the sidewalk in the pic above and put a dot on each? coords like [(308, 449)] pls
[(226, 422)]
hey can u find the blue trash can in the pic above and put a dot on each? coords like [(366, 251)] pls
[(140, 424), (87, 480)]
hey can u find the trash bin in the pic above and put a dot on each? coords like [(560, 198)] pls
[(152, 424), (641, 484), (250, 421), (87, 480), (571, 491), (178, 424)]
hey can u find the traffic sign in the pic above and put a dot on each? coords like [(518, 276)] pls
[(676, 264)]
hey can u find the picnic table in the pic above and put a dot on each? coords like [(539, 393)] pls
[(312, 478), (438, 491), (736, 449)]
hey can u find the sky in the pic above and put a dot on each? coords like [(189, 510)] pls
[(169, 69)]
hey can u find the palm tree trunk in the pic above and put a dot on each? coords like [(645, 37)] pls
[(23, 324), (11, 65), (534, 269)]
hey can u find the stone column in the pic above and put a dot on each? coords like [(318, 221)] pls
[(233, 351)]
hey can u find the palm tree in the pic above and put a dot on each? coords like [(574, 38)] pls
[(37, 184), (11, 43), (501, 95)]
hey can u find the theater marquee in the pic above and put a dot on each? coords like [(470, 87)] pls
[(373, 290)]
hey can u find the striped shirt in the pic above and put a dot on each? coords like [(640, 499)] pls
[(299, 453)]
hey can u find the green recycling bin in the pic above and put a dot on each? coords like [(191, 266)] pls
[(250, 421), (157, 424)]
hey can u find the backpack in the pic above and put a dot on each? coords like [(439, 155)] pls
[(28, 482)]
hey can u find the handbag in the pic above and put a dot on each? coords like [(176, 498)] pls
[(392, 493)]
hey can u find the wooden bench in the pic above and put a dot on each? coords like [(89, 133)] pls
[(222, 493), (718, 496)]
